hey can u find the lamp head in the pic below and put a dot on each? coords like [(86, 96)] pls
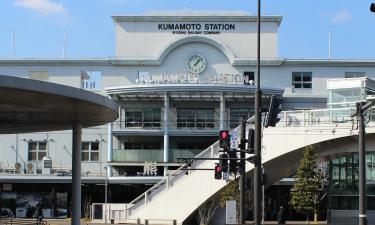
[(372, 7)]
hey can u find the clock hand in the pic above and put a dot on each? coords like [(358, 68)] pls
[(196, 63)]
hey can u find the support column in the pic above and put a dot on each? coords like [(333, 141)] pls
[(76, 173), (166, 130), (109, 148), (222, 112)]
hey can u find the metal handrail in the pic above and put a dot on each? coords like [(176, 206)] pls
[(13, 221), (174, 174), (167, 178)]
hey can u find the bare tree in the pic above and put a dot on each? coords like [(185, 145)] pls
[(206, 211), (87, 207)]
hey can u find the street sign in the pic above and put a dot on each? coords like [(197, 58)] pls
[(234, 140), (225, 176)]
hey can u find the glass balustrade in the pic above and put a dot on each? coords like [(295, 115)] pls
[(154, 155)]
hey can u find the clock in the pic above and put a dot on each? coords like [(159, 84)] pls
[(196, 64)]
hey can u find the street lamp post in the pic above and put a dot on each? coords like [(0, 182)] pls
[(362, 107), (258, 135)]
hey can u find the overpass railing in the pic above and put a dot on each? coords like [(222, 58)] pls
[(321, 117), (289, 118)]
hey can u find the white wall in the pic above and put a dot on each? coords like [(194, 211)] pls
[(143, 39)]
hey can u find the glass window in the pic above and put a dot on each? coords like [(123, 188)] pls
[(142, 118), (139, 145), (354, 74), (91, 80), (90, 151), (237, 114), (185, 118), (199, 118), (37, 150), (248, 77), (205, 118), (302, 80), (344, 186)]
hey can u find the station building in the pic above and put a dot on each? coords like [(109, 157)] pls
[(178, 79)]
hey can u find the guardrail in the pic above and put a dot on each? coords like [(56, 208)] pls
[(165, 183), (290, 118), (11, 221), (154, 155), (321, 116)]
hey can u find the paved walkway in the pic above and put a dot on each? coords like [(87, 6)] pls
[(83, 222)]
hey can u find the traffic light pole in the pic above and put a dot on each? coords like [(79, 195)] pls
[(258, 135), (242, 173), (362, 165)]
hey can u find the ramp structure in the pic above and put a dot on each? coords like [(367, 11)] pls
[(178, 195)]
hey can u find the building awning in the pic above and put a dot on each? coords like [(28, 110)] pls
[(188, 92), (28, 105)]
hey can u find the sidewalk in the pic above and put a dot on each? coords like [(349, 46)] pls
[(68, 222), (83, 222)]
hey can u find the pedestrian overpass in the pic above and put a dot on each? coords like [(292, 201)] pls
[(178, 195)]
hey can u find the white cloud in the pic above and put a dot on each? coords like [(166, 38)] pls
[(341, 16), (43, 7)]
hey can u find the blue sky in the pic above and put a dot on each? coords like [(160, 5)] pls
[(39, 25)]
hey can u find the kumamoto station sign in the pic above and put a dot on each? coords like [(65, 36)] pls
[(196, 28)]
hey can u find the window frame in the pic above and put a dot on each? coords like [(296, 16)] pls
[(90, 151), (143, 119), (301, 83), (37, 151), (200, 118), (240, 113)]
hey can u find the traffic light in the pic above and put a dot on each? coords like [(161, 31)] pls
[(233, 161), (223, 162), (250, 140), (218, 172), (224, 139), (372, 7), (273, 111)]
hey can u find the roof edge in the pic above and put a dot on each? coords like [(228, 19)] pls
[(209, 18)]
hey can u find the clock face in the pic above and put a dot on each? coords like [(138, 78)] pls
[(196, 64)]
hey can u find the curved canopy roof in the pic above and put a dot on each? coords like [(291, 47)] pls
[(31, 106), (205, 92)]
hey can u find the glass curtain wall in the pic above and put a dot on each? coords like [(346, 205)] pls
[(344, 181)]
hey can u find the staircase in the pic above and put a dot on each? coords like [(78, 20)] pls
[(178, 195)]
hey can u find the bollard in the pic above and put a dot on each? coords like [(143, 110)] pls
[(146, 222), (174, 222)]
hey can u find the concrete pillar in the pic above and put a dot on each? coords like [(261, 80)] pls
[(76, 173), (166, 132), (222, 112), (109, 148)]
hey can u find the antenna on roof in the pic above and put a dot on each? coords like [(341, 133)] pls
[(329, 45), (64, 47), (13, 44)]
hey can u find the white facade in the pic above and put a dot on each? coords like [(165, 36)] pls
[(149, 75), (150, 54)]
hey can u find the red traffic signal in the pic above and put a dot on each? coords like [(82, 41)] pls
[(224, 139), (218, 172)]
